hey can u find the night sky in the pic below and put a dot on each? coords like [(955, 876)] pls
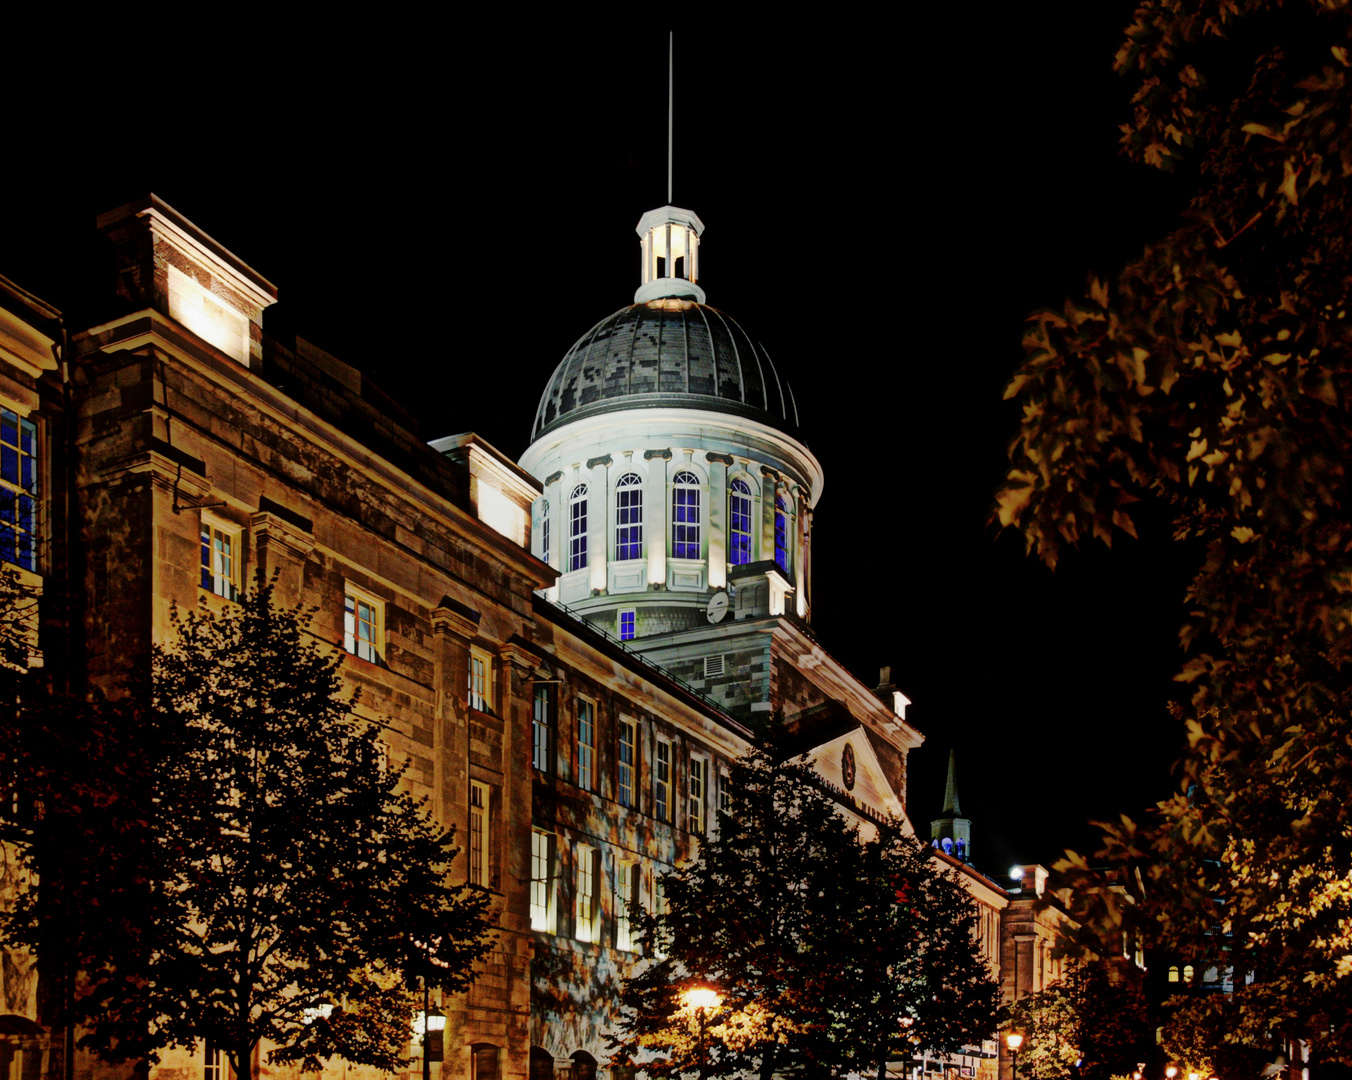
[(449, 208)]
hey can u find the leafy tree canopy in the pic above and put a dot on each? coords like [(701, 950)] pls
[(281, 867), (1212, 377), (1092, 1024), (831, 953)]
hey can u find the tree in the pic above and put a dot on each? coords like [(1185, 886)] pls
[(287, 870), (1092, 1024), (821, 944), (1212, 378)]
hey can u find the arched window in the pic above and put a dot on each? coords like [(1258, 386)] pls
[(577, 528), (485, 1062), (629, 517), (541, 1064), (1173, 973), (584, 1066), (1187, 973), (685, 516), (739, 523), (783, 542), (544, 530)]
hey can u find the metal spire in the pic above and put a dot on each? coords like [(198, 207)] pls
[(951, 787), (671, 99)]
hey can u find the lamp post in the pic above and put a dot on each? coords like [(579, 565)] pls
[(1012, 1043), (701, 997), (434, 1024)]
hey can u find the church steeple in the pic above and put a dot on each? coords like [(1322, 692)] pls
[(951, 831)]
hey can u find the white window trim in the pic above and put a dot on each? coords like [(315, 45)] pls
[(377, 606), (752, 533), (479, 868), (640, 507), (701, 526), (581, 702), (698, 825), (627, 722), (481, 700), (542, 888), (231, 583), (665, 813), (619, 622), (586, 906), (625, 872)]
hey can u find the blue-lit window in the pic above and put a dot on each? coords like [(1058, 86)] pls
[(19, 484), (685, 516), (577, 528), (629, 517), (627, 625), (739, 522), (783, 550)]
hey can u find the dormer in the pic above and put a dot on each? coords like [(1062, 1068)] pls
[(167, 263)]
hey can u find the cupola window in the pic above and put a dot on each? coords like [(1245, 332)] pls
[(629, 517), (739, 518), (544, 531), (577, 528), (783, 548), (685, 516)]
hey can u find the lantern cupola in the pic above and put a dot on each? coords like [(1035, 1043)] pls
[(669, 239)]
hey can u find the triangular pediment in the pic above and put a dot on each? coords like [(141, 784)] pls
[(849, 765)]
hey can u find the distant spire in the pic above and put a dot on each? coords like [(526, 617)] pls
[(951, 808)]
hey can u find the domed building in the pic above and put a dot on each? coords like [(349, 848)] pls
[(678, 490)]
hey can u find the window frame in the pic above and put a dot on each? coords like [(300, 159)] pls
[(625, 871), (542, 729), (544, 531), (480, 834), (584, 712), (480, 700), (577, 528), (352, 643), (228, 585), (628, 533), (541, 897), (626, 794), (740, 541), (783, 535), (19, 542), (697, 803), (214, 1063), (686, 515), (626, 619), (586, 898), (664, 788)]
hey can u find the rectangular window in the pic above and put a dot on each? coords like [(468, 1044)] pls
[(480, 679), (624, 896), (18, 490), (363, 625), (724, 794), (662, 781), (627, 773), (586, 742), (541, 726), (486, 1063), (220, 557), (628, 624), (584, 908), (699, 769), (213, 1063), (544, 533), (541, 880), (478, 833)]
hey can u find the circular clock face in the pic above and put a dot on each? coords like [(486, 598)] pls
[(847, 767), (718, 606)]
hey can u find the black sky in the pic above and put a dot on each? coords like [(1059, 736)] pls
[(449, 207)]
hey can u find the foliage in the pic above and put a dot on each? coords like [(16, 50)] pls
[(820, 943), (1095, 1016), (1212, 378), (284, 867)]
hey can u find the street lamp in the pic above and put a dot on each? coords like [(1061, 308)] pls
[(433, 1045), (701, 996), (1012, 1043), (1171, 1071)]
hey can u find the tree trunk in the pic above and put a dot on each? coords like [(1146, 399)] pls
[(767, 1069)]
